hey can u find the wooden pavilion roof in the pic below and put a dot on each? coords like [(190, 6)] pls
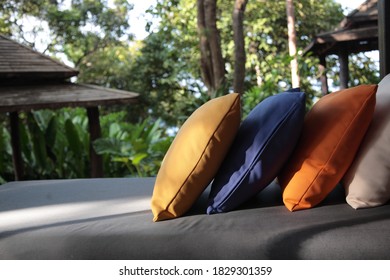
[(30, 80), (60, 95), (357, 32), (20, 62)]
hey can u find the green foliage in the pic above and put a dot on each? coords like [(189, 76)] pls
[(6, 171), (139, 148), (164, 67), (78, 30), (55, 145), (362, 70), (265, 24), (255, 95), (167, 90), (177, 29)]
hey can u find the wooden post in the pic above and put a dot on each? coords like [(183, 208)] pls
[(384, 36), (344, 70), (323, 77), (95, 133), (15, 143)]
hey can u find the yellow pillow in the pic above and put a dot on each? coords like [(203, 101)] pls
[(195, 155)]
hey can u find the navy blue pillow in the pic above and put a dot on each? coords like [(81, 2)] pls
[(264, 142)]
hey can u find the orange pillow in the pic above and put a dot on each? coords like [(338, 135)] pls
[(332, 132), (195, 155)]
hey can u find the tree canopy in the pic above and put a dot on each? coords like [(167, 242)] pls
[(167, 67), (77, 28), (175, 69)]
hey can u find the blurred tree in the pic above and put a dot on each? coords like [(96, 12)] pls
[(239, 46), (265, 40), (77, 28), (165, 67), (268, 63), (211, 62), (160, 73), (292, 42)]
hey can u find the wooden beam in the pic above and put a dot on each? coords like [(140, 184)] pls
[(344, 70), (15, 143), (384, 36), (364, 33), (95, 133)]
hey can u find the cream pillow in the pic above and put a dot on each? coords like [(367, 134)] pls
[(367, 182)]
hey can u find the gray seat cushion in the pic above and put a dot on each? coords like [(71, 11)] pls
[(111, 219)]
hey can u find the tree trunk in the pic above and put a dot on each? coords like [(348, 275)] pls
[(212, 63), (205, 61), (239, 46), (292, 42)]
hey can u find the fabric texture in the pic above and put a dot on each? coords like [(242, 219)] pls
[(332, 132), (195, 155), (110, 218), (263, 143), (367, 182)]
